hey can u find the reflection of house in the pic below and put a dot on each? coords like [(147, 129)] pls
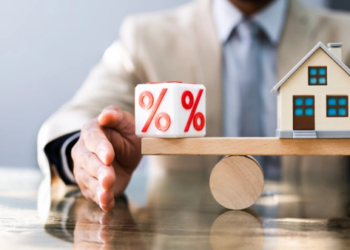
[(313, 96)]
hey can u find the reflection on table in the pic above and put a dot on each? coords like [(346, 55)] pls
[(175, 210)]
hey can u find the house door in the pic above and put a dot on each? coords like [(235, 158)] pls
[(303, 113)]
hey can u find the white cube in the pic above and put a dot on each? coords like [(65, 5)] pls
[(170, 110)]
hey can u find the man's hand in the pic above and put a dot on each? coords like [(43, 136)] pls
[(106, 154)]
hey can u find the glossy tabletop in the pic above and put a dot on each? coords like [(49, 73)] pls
[(172, 211)]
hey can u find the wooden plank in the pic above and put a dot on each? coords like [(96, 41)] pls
[(244, 146)]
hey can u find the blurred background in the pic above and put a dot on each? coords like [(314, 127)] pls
[(47, 49)]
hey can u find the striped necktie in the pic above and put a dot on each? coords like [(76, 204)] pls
[(249, 81)]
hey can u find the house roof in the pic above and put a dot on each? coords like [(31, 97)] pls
[(320, 45)]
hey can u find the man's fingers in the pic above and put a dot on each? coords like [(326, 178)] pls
[(114, 117), (127, 146), (91, 189), (91, 163), (87, 184), (95, 168), (95, 140)]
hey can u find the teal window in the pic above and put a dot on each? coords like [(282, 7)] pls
[(332, 101), (318, 75), (322, 71), (304, 106), (342, 101), (309, 101), (313, 71), (322, 80), (298, 101), (332, 111), (342, 112), (337, 106), (309, 111), (299, 112), (313, 80)]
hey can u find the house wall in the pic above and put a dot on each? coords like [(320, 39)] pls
[(279, 110), (338, 83)]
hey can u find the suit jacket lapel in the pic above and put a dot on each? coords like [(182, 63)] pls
[(208, 64), (295, 40)]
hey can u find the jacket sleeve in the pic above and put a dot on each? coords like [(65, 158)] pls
[(111, 82), (58, 153)]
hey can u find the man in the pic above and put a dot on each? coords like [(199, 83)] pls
[(238, 49)]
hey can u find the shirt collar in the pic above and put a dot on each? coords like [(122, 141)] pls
[(271, 18)]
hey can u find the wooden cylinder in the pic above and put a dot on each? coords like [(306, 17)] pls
[(237, 182)]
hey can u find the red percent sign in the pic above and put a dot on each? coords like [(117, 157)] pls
[(194, 117), (160, 116)]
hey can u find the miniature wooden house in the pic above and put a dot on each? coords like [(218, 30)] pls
[(313, 98)]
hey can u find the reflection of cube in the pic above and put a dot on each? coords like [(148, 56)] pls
[(170, 109)]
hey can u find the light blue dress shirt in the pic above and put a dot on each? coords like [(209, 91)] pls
[(271, 20)]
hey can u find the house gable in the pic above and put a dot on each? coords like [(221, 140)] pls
[(319, 46)]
